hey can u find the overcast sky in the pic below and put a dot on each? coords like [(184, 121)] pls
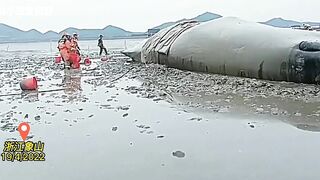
[(139, 15)]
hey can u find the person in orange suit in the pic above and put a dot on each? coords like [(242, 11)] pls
[(68, 50)]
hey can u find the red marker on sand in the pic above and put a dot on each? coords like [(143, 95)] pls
[(24, 129)]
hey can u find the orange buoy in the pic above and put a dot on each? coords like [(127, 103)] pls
[(87, 61), (58, 59), (29, 84)]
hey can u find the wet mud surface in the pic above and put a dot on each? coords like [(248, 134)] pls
[(296, 104), (120, 119)]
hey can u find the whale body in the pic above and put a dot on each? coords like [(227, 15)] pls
[(231, 46)]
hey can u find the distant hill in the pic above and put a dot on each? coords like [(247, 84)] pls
[(115, 31), (50, 35), (207, 16), (12, 34), (9, 33), (31, 35), (108, 32), (283, 23)]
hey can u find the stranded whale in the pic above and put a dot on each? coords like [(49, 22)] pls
[(232, 46)]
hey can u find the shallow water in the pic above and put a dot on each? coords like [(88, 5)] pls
[(149, 125)]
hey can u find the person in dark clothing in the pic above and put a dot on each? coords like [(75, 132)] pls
[(100, 44), (74, 41)]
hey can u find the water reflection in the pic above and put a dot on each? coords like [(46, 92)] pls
[(30, 96), (309, 127), (301, 115), (72, 83)]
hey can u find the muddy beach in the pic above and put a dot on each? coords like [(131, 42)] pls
[(120, 119)]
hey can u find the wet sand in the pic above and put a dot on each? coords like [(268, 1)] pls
[(124, 120)]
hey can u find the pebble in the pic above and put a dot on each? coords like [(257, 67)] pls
[(179, 154), (259, 110), (114, 128), (195, 119), (274, 111), (37, 118), (298, 114)]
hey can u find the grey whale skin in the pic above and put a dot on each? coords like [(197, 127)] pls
[(231, 46)]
